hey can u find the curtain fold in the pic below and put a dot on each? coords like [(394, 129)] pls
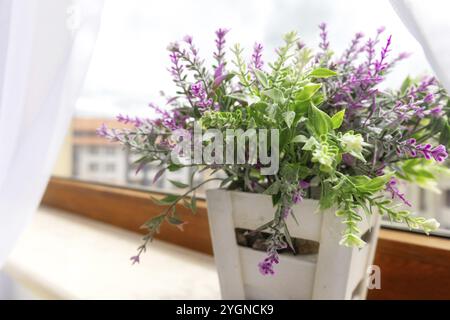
[(45, 49), (429, 23)]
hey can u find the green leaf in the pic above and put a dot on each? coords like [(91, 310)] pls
[(179, 184), (289, 118), (319, 121), (367, 185), (310, 144), (158, 175), (285, 137), (154, 223), (290, 171), (169, 199), (406, 84), (174, 220), (229, 76), (249, 99), (327, 196), (174, 167), (378, 183), (260, 106), (142, 159), (337, 119), (444, 137), (276, 198), (186, 203), (307, 92), (262, 78), (318, 99), (274, 188), (271, 110), (238, 96), (193, 205), (288, 238), (265, 226), (226, 181), (322, 73), (299, 139), (275, 94), (301, 107)]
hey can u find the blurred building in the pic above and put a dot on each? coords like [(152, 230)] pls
[(96, 159)]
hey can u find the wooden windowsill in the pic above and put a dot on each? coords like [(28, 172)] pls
[(415, 239), (128, 209), (413, 266)]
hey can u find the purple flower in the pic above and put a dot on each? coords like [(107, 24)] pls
[(416, 108), (380, 170), (297, 197), (348, 159), (187, 39), (359, 90), (198, 92), (429, 98), (418, 111), (137, 122), (103, 131), (220, 45), (425, 150), (412, 151), (176, 70), (403, 55), (391, 187), (286, 211), (123, 119), (219, 75), (257, 62), (304, 184), (266, 266), (135, 259), (400, 57), (438, 153), (353, 51), (370, 50), (437, 111), (324, 43), (380, 65), (169, 120), (426, 83)]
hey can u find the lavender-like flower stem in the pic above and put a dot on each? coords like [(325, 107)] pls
[(219, 54), (256, 61)]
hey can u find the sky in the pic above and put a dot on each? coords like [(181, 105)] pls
[(130, 61)]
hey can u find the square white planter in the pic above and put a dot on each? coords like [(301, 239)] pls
[(336, 272)]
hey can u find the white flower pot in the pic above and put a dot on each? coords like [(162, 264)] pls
[(336, 272)]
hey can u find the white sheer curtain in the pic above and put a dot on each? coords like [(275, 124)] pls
[(45, 48), (429, 23)]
